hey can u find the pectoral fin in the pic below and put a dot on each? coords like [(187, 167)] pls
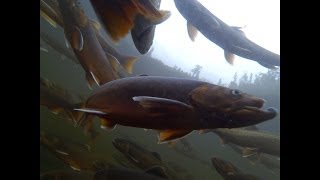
[(77, 39), (192, 31), (44, 49), (229, 57), (247, 152), (169, 135), (66, 42), (161, 105), (48, 19), (114, 62), (91, 80), (91, 111), (96, 25), (107, 124)]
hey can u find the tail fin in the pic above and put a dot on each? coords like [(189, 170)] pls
[(127, 62), (118, 16)]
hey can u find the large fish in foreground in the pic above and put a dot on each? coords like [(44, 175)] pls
[(229, 172), (119, 17), (231, 39), (174, 106), (254, 141), (82, 38), (143, 31)]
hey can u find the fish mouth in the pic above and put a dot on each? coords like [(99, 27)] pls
[(250, 115)]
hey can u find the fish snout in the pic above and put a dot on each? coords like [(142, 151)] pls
[(259, 102)]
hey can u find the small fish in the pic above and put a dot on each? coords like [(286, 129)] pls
[(57, 99), (254, 141), (125, 174), (190, 154), (231, 39), (143, 31), (141, 157), (136, 154), (230, 172), (269, 161), (65, 175), (119, 17), (58, 46), (82, 38), (126, 61), (176, 106), (76, 155), (49, 14)]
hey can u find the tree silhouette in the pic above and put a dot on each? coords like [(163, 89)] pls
[(196, 71)]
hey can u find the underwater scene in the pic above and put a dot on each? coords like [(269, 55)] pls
[(156, 90)]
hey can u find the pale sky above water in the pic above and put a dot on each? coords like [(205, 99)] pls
[(173, 45)]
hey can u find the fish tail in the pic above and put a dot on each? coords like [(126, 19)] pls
[(118, 16), (127, 62)]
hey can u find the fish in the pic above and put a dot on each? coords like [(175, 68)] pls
[(57, 99), (126, 61), (174, 106), (45, 37), (190, 155), (118, 17), (230, 39), (125, 173), (65, 175), (230, 172), (253, 141), (143, 31), (269, 161), (136, 154), (77, 156), (60, 101), (141, 157), (51, 15), (82, 38)]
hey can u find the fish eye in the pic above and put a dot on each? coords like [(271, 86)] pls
[(78, 3), (235, 92)]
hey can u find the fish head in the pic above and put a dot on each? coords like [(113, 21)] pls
[(231, 107), (224, 168), (77, 13)]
